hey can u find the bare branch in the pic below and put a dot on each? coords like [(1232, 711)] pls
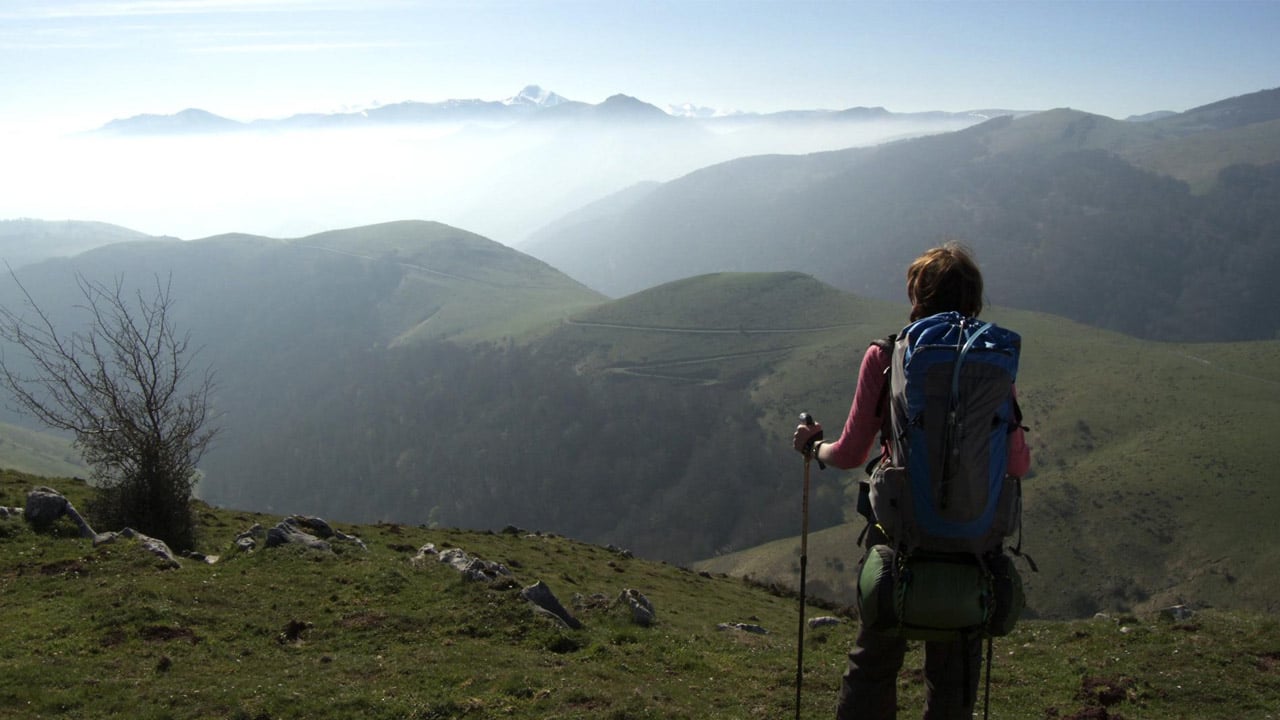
[(123, 387)]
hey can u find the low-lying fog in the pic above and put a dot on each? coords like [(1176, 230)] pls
[(501, 182)]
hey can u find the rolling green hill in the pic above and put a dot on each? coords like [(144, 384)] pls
[(660, 422), (1151, 478), (456, 283), (109, 632), (39, 453), (24, 241)]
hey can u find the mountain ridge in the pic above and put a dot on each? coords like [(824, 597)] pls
[(1031, 194), (530, 101)]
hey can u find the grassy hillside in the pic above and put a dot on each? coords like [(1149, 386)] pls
[(39, 453), (457, 284), (1152, 461), (1197, 160), (105, 632), (661, 421), (24, 241), (396, 282), (1151, 480), (718, 327)]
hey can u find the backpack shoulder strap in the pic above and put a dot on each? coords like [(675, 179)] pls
[(882, 403)]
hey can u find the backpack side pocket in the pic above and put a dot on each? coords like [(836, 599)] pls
[(891, 500)]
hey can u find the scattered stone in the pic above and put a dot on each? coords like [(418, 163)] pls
[(473, 568), (248, 540), (824, 621), (542, 597), (8, 513), (152, 545), (285, 534), (322, 529), (424, 553), (201, 557), (744, 627), (512, 530), (620, 552), (44, 506), (1177, 613), (642, 612)]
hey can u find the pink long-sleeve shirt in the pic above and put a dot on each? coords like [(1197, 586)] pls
[(862, 428)]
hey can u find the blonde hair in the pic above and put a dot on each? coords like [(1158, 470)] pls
[(944, 279)]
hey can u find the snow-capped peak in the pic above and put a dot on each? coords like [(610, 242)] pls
[(689, 110), (536, 97)]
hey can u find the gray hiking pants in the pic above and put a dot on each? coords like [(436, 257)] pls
[(869, 689)]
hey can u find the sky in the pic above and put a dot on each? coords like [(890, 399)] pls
[(71, 66), (80, 63)]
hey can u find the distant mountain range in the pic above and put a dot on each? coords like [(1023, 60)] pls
[(530, 101), (1165, 228)]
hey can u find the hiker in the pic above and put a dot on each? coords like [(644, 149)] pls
[(943, 279)]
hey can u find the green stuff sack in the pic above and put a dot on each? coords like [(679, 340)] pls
[(938, 596), (1009, 598)]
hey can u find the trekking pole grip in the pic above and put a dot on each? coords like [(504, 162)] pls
[(807, 419)]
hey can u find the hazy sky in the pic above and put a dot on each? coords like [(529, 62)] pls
[(80, 63), (73, 65)]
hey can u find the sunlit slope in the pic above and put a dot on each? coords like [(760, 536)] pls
[(259, 309), (106, 631), (725, 327), (396, 282), (25, 241), (456, 284), (1198, 159), (38, 453), (1152, 483)]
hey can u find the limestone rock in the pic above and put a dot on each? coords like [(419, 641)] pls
[(744, 627), (155, 546), (541, 596), (45, 505), (473, 568), (285, 534), (641, 609)]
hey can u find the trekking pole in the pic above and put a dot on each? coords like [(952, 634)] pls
[(807, 419), (986, 698)]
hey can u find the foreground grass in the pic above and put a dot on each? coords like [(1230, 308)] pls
[(284, 633)]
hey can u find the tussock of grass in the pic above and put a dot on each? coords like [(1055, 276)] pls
[(282, 633)]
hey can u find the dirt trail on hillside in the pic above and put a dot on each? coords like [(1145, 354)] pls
[(708, 331), (1209, 364), (645, 369)]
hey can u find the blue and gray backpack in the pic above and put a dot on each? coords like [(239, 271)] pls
[(940, 494), (942, 486)]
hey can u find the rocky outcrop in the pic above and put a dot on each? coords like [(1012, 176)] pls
[(642, 612), (547, 602), (152, 545), (45, 506)]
